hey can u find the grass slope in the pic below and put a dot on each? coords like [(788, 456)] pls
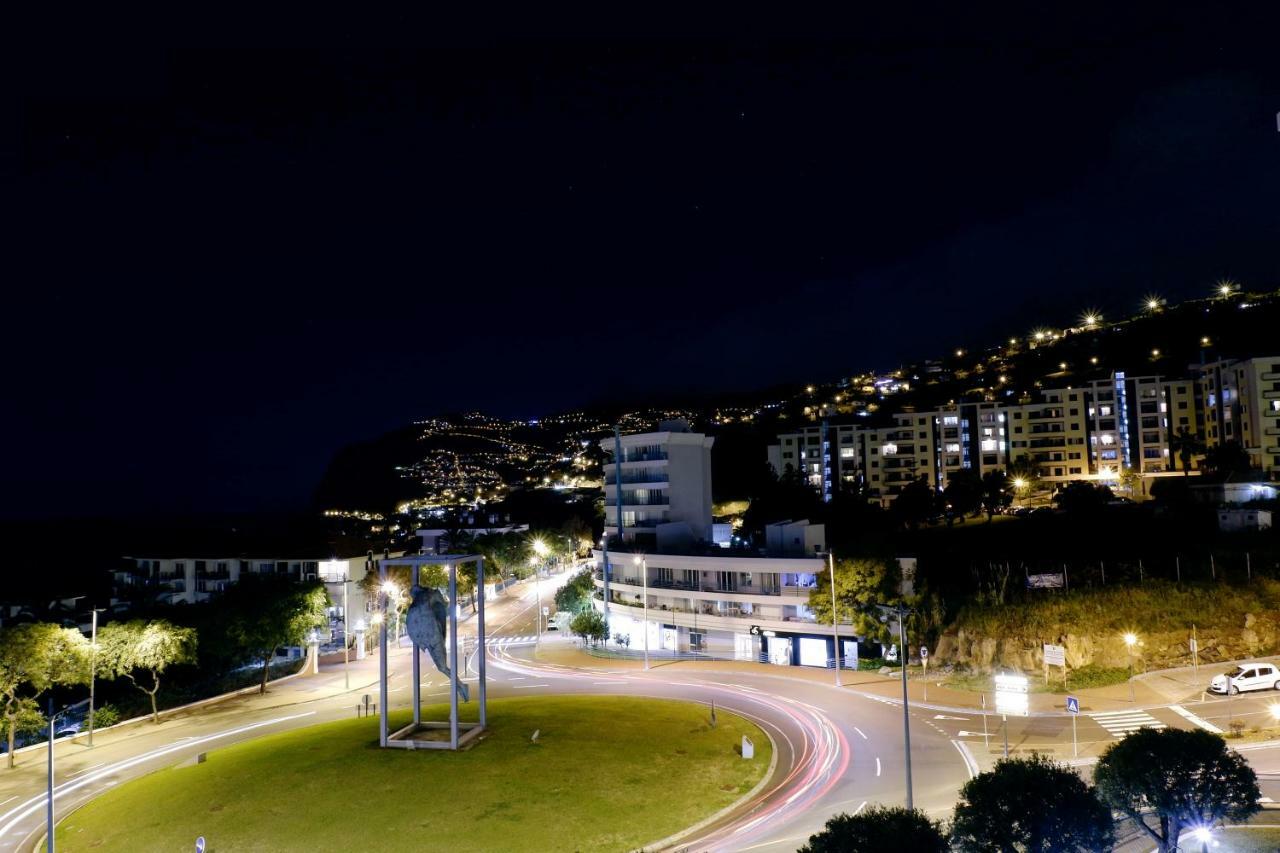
[(607, 773)]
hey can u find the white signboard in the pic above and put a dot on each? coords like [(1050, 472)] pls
[(748, 748), (1011, 695), (1055, 655), (1045, 581)]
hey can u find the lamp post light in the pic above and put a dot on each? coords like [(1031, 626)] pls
[(835, 619), (1130, 640), (644, 585), (1204, 835)]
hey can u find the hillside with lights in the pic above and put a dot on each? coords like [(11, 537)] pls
[(472, 459)]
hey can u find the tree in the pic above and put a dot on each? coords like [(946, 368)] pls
[(132, 648), (577, 531), (1030, 804), (915, 503), (264, 613), (963, 494), (879, 828), (997, 492), (575, 596), (33, 658), (1181, 778), (590, 625), (1226, 458), (1184, 445), (1081, 498), (860, 583)]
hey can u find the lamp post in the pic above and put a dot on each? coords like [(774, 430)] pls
[(644, 585), (1130, 640), (93, 666), (835, 621), (540, 550), (346, 637), (900, 612)]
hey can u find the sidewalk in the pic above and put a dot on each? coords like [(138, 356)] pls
[(1150, 689)]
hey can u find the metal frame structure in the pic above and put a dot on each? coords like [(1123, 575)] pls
[(459, 733)]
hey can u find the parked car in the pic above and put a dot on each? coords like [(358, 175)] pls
[(1246, 677)]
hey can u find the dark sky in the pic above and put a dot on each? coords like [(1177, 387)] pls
[(232, 263)]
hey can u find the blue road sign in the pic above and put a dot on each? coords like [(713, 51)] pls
[(200, 844), (1073, 705)]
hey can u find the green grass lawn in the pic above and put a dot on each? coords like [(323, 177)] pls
[(1077, 679), (1239, 839), (607, 773)]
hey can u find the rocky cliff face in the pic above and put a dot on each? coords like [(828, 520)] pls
[(1254, 635)]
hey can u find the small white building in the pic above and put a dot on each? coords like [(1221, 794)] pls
[(665, 482), (1244, 519)]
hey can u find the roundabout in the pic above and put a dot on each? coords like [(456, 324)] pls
[(605, 773)]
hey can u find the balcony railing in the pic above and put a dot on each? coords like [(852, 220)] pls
[(641, 475), (649, 501), (644, 456)]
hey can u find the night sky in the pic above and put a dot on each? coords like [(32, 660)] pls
[(233, 263)]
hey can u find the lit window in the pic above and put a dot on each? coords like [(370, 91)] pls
[(1104, 410), (1107, 438), (890, 449), (990, 445), (953, 448), (846, 453), (950, 420)]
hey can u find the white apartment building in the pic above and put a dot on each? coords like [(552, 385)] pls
[(664, 478), (1242, 404), (701, 598), (190, 580)]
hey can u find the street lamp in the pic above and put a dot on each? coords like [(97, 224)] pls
[(835, 621), (901, 613), (640, 561), (1130, 640), (1204, 835), (537, 591), (93, 665)]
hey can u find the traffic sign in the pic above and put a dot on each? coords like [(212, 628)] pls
[(755, 629), (924, 653), (1073, 705), (200, 844)]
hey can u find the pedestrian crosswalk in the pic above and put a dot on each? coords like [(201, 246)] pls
[(522, 640), (1121, 723)]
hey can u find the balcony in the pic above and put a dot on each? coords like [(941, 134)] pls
[(1047, 414), (652, 500), (644, 455), (641, 475), (214, 575)]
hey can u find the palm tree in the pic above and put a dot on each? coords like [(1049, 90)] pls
[(1184, 445)]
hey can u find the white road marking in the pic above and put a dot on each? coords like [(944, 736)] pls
[(970, 763), (528, 686), (1199, 721), (1121, 723), (861, 807), (877, 765), (10, 800), (859, 731), (945, 717)]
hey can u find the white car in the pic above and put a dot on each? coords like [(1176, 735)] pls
[(1246, 677)]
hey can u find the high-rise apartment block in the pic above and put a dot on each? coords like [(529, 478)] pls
[(1098, 430)]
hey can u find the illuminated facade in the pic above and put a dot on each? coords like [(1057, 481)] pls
[(665, 478)]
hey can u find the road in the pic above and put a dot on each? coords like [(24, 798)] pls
[(837, 749)]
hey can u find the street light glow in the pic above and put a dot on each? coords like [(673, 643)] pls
[(1154, 303), (1019, 483), (540, 547), (390, 588), (1091, 318), (1130, 640), (1202, 834)]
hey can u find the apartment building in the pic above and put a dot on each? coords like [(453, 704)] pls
[(193, 579), (664, 478), (1242, 404)]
